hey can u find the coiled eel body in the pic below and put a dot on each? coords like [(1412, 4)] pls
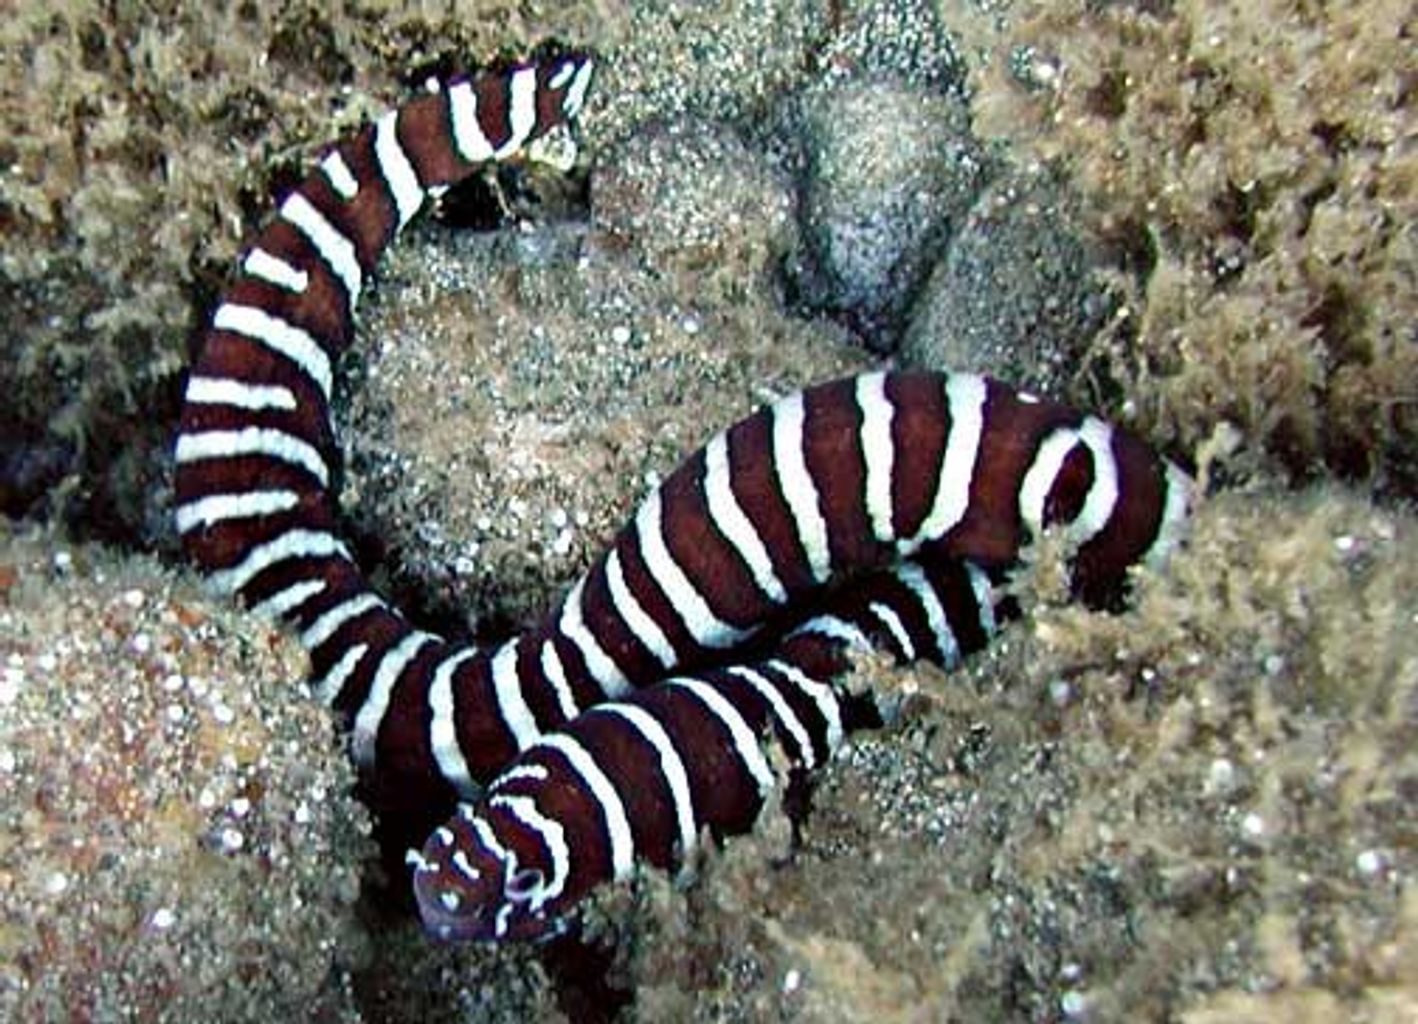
[(626, 721)]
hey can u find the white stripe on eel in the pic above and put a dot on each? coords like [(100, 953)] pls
[(555, 674), (984, 592), (468, 137), (730, 518), (561, 75), (290, 599), (398, 172), (708, 630), (338, 174), (329, 243), (521, 110), (443, 729), (746, 745), (319, 631), (265, 441), (572, 625), (364, 734), (576, 95), (239, 394), (886, 615), (835, 628), (603, 791), (672, 767), (1043, 473), (1173, 522), (327, 689), (284, 339), (878, 452), (828, 707), (1039, 479), (781, 709), (511, 704), (965, 400), (297, 543), (274, 270), (1102, 499), (937, 621), (217, 508), (797, 486), (640, 623)]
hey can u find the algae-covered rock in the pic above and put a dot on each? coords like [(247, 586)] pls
[(178, 834), (1252, 166)]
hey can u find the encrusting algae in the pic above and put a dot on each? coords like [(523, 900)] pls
[(1255, 168)]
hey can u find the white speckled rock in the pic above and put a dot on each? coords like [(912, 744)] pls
[(889, 172), (178, 838), (692, 196)]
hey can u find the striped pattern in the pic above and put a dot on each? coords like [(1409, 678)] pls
[(722, 548), (840, 482), (256, 452), (641, 778)]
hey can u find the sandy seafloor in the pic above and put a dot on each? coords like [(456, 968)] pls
[(1196, 217)]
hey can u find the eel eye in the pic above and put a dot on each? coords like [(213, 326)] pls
[(524, 885)]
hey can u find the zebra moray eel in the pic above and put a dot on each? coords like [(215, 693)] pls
[(840, 480), (643, 776)]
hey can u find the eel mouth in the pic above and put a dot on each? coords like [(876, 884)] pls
[(449, 907)]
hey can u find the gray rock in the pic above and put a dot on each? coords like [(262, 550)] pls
[(889, 171), (1013, 296)]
